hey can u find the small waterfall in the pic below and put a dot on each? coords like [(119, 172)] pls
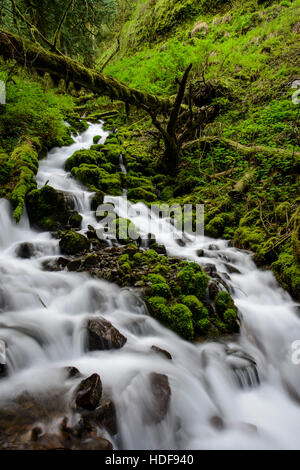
[(239, 394)]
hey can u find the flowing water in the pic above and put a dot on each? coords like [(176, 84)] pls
[(242, 393)]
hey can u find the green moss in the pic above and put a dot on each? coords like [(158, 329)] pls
[(89, 157), (182, 321), (197, 308), (287, 272), (48, 209), (73, 243), (96, 139), (193, 281), (161, 290)]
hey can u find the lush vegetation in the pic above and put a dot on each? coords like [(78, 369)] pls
[(245, 60)]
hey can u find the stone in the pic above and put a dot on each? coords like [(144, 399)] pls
[(89, 392), (71, 372), (25, 250), (72, 243), (74, 265), (106, 416), (102, 335), (210, 269), (162, 352), (162, 394)]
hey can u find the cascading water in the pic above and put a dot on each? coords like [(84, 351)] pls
[(238, 394)]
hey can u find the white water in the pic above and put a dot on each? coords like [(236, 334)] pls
[(42, 315)]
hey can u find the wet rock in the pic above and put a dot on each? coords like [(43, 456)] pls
[(49, 442), (106, 416), (162, 394), (213, 248), (217, 422), (97, 200), (25, 250), (232, 269), (73, 243), (91, 260), (103, 335), (62, 262), (89, 392), (97, 443), (200, 253), (75, 221), (210, 269), (162, 352), (72, 372), (49, 209), (180, 242), (75, 265), (214, 287)]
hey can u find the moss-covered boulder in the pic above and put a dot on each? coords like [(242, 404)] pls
[(73, 243), (49, 209), (80, 157)]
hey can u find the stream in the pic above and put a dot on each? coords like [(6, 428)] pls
[(239, 393)]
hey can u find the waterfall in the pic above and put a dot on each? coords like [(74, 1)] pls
[(232, 394)]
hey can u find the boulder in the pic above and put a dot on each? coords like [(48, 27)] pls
[(72, 243), (103, 335), (89, 392), (106, 417), (25, 250), (161, 394), (49, 209)]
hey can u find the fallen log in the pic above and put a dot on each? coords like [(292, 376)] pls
[(243, 149), (33, 54)]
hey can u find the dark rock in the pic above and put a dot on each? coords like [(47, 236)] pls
[(103, 335), (97, 200), (217, 422), (213, 248), (214, 287), (106, 416), (162, 394), (89, 392), (73, 243), (48, 208), (163, 352), (232, 269), (180, 242), (200, 253), (210, 269), (25, 250), (74, 265), (91, 260), (62, 262), (72, 372), (75, 221)]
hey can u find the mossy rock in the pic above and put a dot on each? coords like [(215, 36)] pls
[(80, 157), (49, 209), (287, 272), (96, 139), (97, 200), (73, 243)]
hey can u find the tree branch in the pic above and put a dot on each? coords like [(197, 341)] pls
[(60, 25)]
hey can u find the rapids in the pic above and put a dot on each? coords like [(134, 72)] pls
[(242, 393)]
